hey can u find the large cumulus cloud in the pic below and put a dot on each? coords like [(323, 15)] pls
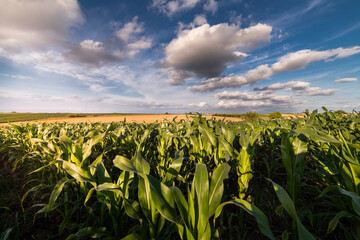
[(36, 24), (204, 51)]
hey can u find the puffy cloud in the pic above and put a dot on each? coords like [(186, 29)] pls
[(199, 105), (205, 50), (237, 104), (289, 62), (93, 53), (317, 91), (97, 54), (177, 77), (171, 7), (199, 20), (36, 24), (143, 43), (128, 36), (129, 30), (211, 6), (346, 80), (260, 73), (300, 59)]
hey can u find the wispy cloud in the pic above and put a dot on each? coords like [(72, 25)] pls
[(346, 80), (171, 7), (344, 32)]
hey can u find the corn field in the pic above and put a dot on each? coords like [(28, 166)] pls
[(191, 179)]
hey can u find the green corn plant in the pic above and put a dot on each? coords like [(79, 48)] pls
[(153, 222), (203, 199), (293, 152), (288, 205), (252, 210), (244, 168)]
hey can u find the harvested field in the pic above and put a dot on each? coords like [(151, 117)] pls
[(138, 118)]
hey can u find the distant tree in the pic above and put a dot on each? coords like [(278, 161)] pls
[(251, 115), (274, 115)]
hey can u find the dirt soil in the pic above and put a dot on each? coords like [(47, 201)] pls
[(138, 118)]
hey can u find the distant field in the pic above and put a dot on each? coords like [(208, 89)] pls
[(18, 117), (114, 117)]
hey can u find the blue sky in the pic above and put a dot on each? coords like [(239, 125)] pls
[(178, 56)]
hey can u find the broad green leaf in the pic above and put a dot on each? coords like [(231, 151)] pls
[(315, 135), (333, 223), (124, 164), (112, 187), (182, 205), (56, 192), (132, 236), (201, 182), (88, 195), (89, 144), (6, 234), (208, 134), (132, 209), (287, 203), (88, 232), (102, 174), (355, 200), (77, 173), (141, 164), (217, 187), (285, 200), (252, 210), (163, 199)]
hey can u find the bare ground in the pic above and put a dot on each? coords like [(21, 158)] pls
[(138, 118)]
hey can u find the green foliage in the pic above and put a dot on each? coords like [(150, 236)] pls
[(75, 115), (274, 115), (251, 115), (192, 179)]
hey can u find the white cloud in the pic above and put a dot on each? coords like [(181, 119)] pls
[(199, 105), (298, 87), (205, 50), (36, 24), (199, 20), (251, 97), (346, 80), (317, 91), (171, 7), (346, 52), (289, 62), (129, 30), (211, 6), (16, 76), (129, 39), (260, 73), (141, 44), (237, 104), (93, 53), (177, 77)]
